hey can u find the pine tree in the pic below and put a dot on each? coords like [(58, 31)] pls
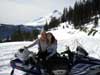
[(54, 22), (75, 16), (35, 33), (0, 40), (46, 26), (96, 22), (82, 12), (64, 15), (70, 15), (17, 36)]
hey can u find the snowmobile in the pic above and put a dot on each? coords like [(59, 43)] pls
[(81, 64), (24, 60), (59, 66), (74, 63), (32, 65)]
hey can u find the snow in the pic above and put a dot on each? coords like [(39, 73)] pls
[(72, 37), (7, 51), (66, 35)]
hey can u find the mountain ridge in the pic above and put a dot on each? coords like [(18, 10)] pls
[(42, 20)]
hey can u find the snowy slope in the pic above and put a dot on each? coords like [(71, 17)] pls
[(8, 49), (42, 20), (66, 35), (73, 38)]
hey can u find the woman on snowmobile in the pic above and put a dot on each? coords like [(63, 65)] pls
[(52, 46), (23, 54), (42, 45), (47, 45), (51, 51)]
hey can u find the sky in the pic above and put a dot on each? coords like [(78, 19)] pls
[(23, 11)]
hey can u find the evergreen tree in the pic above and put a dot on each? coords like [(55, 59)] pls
[(27, 36), (96, 22), (17, 36), (70, 15), (64, 15), (82, 12), (35, 33), (76, 15), (46, 26), (0, 40), (53, 23)]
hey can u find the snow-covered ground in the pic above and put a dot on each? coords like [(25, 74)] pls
[(65, 36)]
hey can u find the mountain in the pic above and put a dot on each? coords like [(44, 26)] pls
[(7, 30), (42, 20)]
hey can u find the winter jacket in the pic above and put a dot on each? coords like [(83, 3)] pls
[(41, 45), (52, 49)]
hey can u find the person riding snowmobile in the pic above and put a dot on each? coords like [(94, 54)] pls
[(47, 45), (42, 45), (52, 46)]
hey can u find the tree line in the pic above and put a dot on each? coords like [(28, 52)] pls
[(20, 35), (80, 14)]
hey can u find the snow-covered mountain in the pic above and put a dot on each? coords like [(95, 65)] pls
[(6, 30), (42, 20)]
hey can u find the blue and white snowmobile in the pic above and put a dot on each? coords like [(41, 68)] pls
[(25, 61), (76, 63), (81, 64), (28, 62)]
